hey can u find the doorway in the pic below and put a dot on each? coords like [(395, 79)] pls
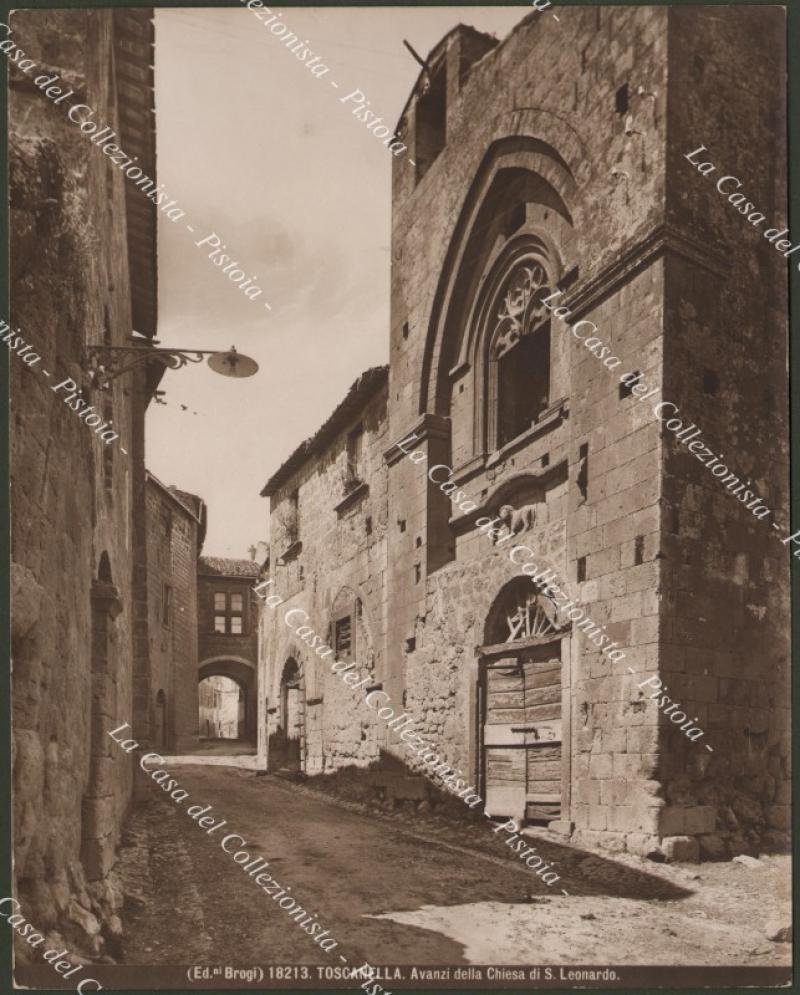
[(520, 702)]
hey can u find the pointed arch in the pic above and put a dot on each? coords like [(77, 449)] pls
[(516, 172)]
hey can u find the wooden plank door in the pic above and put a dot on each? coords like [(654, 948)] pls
[(542, 678), (521, 735)]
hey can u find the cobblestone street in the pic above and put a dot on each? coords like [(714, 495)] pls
[(411, 894)]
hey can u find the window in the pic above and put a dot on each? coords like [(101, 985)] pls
[(291, 522), (519, 367), (621, 99), (626, 386), (523, 380), (166, 605), (342, 634), (354, 473), (431, 119), (229, 613)]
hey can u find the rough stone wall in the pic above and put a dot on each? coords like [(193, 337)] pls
[(71, 517), (343, 558), (725, 610), (637, 264), (553, 91), (172, 560), (585, 117)]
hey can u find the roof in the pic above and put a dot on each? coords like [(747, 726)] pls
[(190, 503), (361, 391), (219, 566)]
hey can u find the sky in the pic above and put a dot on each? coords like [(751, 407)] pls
[(261, 153)]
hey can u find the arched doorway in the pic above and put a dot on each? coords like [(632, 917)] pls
[(520, 705), (292, 714), (228, 705)]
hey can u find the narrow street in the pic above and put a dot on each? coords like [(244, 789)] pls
[(400, 892)]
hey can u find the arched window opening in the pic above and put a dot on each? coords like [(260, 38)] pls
[(520, 612), (519, 353)]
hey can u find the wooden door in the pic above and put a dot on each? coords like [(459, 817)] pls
[(521, 734)]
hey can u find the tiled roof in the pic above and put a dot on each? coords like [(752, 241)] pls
[(220, 566), (361, 391)]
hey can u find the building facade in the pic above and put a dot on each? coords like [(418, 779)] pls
[(176, 523), (228, 613), (328, 551), (547, 190), (221, 709), (83, 276)]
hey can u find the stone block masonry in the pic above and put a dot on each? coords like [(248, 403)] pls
[(80, 276), (498, 219)]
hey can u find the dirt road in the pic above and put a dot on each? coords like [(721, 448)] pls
[(390, 896)]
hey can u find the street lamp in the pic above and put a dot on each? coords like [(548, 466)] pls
[(108, 362)]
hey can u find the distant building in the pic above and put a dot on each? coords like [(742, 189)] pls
[(176, 524), (227, 613), (221, 708)]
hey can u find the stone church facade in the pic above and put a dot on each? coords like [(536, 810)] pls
[(549, 167)]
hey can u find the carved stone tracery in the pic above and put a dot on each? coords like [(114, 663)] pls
[(521, 309)]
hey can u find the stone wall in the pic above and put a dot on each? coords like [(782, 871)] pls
[(71, 494), (337, 572), (172, 549), (598, 206), (574, 173), (725, 592)]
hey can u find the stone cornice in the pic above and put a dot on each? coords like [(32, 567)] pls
[(659, 241), (427, 426), (541, 477)]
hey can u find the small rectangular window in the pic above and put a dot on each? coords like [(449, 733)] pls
[(342, 637), (219, 623), (236, 625), (293, 517), (166, 605), (355, 457), (219, 601), (236, 603), (431, 120)]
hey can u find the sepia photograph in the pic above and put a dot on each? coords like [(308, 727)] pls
[(399, 487)]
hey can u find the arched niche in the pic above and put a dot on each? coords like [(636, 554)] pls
[(511, 246)]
